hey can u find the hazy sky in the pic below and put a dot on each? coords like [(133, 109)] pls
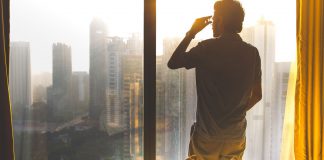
[(44, 22)]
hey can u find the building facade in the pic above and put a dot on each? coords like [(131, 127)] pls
[(114, 113), (60, 105), (20, 74), (98, 72)]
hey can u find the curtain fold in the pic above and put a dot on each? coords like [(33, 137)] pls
[(287, 146), (6, 136), (309, 96)]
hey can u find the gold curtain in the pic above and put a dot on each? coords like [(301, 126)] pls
[(309, 96), (6, 137)]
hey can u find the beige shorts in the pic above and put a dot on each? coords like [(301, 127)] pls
[(203, 148)]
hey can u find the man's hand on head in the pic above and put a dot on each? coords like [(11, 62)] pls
[(178, 59), (198, 25)]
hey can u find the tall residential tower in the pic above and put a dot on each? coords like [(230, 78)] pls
[(97, 71), (60, 100), (19, 74)]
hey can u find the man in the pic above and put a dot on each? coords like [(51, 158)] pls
[(228, 79)]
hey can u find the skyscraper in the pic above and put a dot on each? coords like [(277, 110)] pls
[(62, 66), (61, 88), (258, 132), (280, 85), (132, 89), (176, 104), (114, 118), (136, 120), (98, 72), (176, 100), (19, 74), (173, 90), (188, 110), (160, 104)]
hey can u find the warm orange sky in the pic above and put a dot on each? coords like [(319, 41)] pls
[(43, 22)]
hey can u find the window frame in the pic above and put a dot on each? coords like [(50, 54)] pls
[(149, 79)]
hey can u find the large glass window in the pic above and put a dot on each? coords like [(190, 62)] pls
[(76, 79), (269, 26)]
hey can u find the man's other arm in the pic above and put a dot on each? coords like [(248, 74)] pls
[(256, 92), (256, 95)]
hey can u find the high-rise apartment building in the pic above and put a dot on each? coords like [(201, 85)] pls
[(62, 66), (176, 105), (98, 72), (259, 118), (280, 85), (61, 87), (20, 74), (160, 104), (136, 120), (114, 117), (132, 76), (173, 93)]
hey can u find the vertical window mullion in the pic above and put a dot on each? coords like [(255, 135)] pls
[(149, 79)]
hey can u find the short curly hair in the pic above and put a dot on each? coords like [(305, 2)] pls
[(232, 13)]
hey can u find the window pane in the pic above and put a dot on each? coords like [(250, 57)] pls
[(273, 33), (76, 79)]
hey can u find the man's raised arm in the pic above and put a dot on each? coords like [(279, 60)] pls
[(177, 59)]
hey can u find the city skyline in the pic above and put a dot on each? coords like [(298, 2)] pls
[(58, 23), (116, 75), (107, 101), (104, 78)]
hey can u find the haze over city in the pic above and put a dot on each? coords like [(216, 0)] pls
[(68, 22), (76, 77)]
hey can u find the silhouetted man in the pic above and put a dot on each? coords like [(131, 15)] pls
[(228, 79)]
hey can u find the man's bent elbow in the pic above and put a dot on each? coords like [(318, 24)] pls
[(172, 65), (259, 98)]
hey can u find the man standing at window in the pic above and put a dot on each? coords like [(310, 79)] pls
[(228, 79)]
